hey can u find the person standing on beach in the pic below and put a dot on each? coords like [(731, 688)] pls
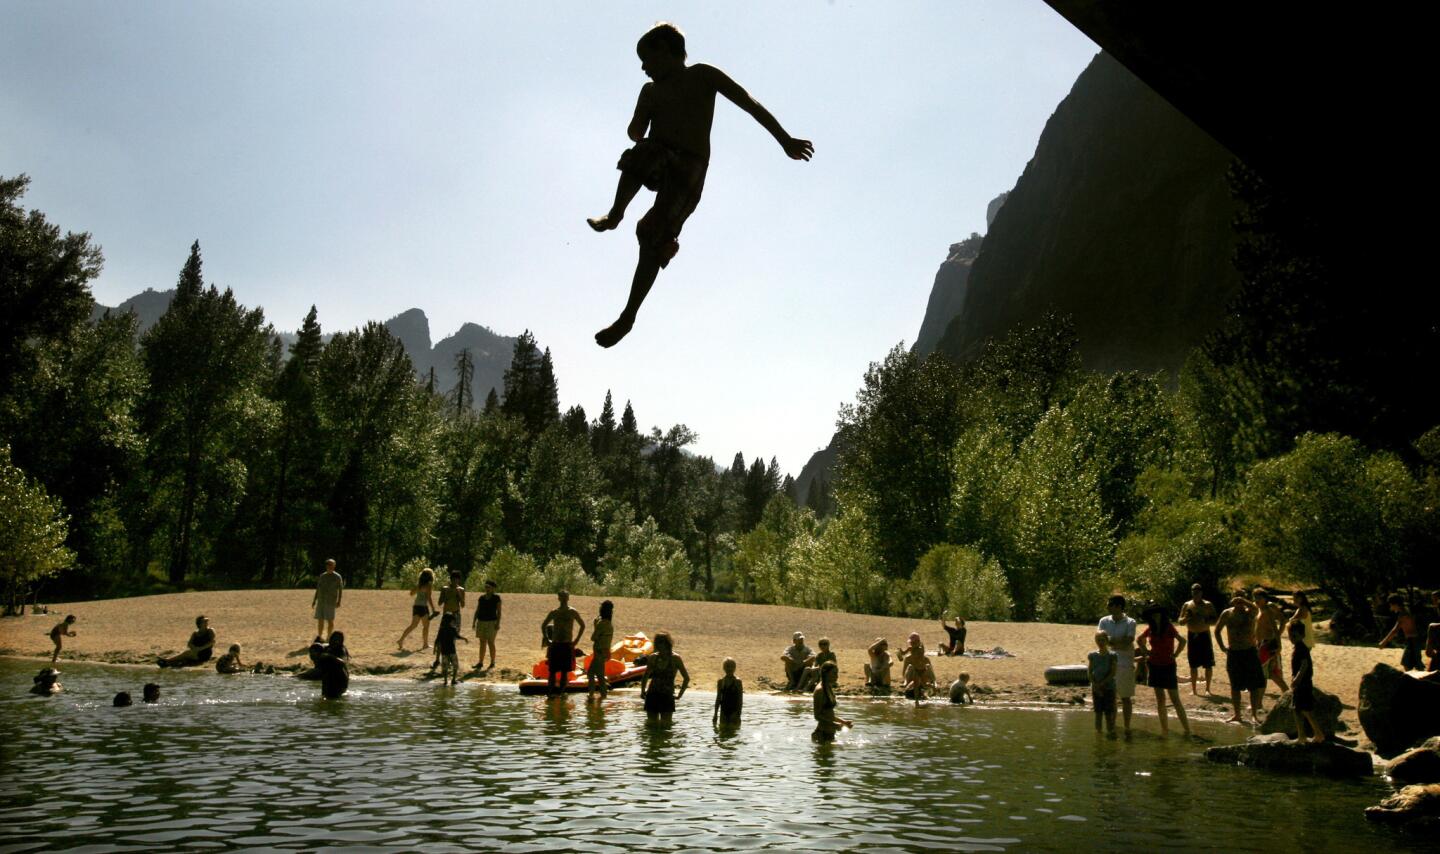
[(328, 588), (1121, 630), (1302, 680), (1269, 622), (1198, 615), (1162, 643), (57, 634), (560, 631), (487, 623), (657, 684), (1242, 661), (421, 608)]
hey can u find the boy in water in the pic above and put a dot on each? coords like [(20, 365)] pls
[(729, 697), (677, 109), (1101, 668), (445, 648), (601, 636), (61, 630), (960, 690)]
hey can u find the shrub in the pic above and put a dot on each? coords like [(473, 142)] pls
[(513, 572), (956, 580)]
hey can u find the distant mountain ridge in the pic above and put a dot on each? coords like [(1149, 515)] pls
[(491, 351)]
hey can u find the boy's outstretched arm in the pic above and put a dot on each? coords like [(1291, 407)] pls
[(796, 149)]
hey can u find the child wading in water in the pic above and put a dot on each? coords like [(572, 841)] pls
[(677, 109), (729, 697), (61, 630), (445, 648), (827, 723), (1101, 669)]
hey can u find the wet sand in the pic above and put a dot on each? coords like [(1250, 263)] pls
[(276, 627)]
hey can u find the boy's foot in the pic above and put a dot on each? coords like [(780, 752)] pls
[(604, 223), (611, 335)]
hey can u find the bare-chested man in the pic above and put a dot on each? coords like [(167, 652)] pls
[(559, 633), (1269, 623), (1199, 615), (1242, 662)]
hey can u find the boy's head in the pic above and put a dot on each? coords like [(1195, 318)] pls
[(200, 621), (729, 666), (235, 649), (824, 644), (122, 699), (337, 639), (1296, 631), (316, 650), (151, 693), (829, 672), (661, 51), (606, 609), (69, 618), (1102, 641), (1197, 591), (489, 585), (330, 565), (1397, 602), (664, 641), (1116, 604), (965, 677)]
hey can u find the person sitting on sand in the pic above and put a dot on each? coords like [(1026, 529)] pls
[(560, 631), (1242, 661), (421, 609), (795, 656), (230, 661), (46, 683), (602, 635), (657, 685), (1162, 643), (1408, 629), (729, 697), (1302, 684), (61, 630), (445, 647), (678, 109), (122, 699), (1101, 667), (918, 672), (1198, 615), (960, 690), (198, 649), (877, 669), (150, 693), (956, 644), (811, 677), (827, 723)]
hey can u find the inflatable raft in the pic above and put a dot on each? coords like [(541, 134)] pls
[(626, 665)]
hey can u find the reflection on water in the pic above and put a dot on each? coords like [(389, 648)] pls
[(250, 761)]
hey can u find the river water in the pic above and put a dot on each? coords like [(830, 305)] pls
[(263, 762)]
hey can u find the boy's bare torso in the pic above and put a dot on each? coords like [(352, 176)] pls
[(681, 109)]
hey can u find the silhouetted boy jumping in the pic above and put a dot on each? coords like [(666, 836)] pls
[(678, 109)]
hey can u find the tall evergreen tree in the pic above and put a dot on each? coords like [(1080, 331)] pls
[(602, 434), (492, 402), (299, 451), (531, 393), (574, 423), (464, 394)]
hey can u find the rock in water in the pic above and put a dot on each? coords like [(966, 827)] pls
[(1421, 765), (1397, 711), (1417, 807), (1281, 717), (1277, 753)]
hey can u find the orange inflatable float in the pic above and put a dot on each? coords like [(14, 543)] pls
[(625, 665)]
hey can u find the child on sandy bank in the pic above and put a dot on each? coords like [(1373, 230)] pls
[(61, 630), (919, 673), (877, 669), (729, 697), (1101, 670), (677, 109), (230, 661)]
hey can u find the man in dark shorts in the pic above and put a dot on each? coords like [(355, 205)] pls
[(1242, 660), (1198, 615), (559, 633)]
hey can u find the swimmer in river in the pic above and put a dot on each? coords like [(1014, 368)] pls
[(677, 109), (151, 693), (827, 723), (729, 697), (61, 630)]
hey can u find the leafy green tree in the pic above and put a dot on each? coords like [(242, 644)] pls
[(561, 489), (1333, 514), (1125, 426), (954, 580), (513, 571), (641, 560), (671, 489), (481, 458), (32, 533), (44, 282), (1177, 541), (206, 358), (564, 572)]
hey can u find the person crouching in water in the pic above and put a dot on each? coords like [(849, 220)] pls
[(601, 636), (729, 698), (445, 648), (960, 690), (827, 723), (657, 685)]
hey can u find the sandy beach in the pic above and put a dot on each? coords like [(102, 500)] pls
[(275, 627)]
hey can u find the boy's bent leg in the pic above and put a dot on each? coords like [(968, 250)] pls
[(625, 191)]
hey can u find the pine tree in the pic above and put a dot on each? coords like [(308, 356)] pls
[(602, 435), (574, 423), (298, 442), (492, 401), (464, 382)]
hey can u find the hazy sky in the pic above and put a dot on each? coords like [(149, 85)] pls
[(373, 157)]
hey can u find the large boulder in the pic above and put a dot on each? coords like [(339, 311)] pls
[(1281, 717), (1397, 711), (1275, 752), (1421, 765), (1416, 807)]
